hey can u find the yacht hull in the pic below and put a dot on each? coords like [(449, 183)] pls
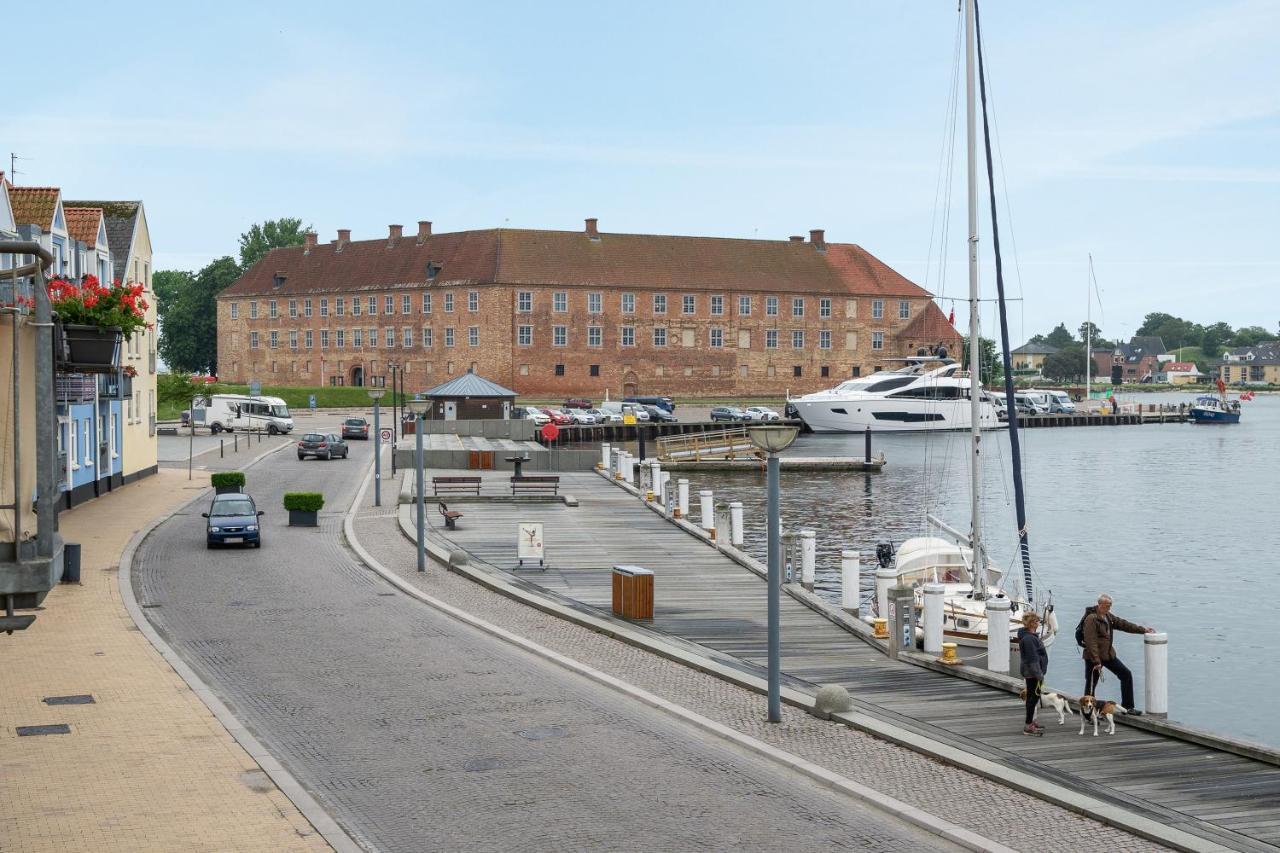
[(892, 415)]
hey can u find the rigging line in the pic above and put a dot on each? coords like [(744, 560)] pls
[(938, 222), (1014, 448)]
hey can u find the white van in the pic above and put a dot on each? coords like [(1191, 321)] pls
[(1033, 400), (617, 410), (1060, 403), (240, 411)]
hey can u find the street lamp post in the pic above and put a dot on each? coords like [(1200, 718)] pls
[(419, 409), (375, 394), (773, 440)]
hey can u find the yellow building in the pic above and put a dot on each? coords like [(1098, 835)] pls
[(1031, 356), (1255, 365)]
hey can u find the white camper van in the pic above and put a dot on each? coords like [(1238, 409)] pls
[(240, 411)]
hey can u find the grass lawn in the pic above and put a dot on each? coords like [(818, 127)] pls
[(327, 397)]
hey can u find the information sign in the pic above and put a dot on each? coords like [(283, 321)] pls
[(385, 433), (311, 401), (255, 388), (529, 543)]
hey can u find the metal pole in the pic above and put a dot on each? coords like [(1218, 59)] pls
[(867, 442), (377, 456), (422, 541), (975, 331), (222, 448), (191, 437), (17, 420), (775, 592)]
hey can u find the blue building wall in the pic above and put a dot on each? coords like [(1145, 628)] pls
[(93, 469)]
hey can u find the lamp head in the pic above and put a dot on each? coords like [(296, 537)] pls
[(772, 438), (418, 407), (376, 393)]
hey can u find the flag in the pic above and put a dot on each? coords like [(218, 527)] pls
[(1222, 387), (952, 317)]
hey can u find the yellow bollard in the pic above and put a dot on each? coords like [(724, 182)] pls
[(949, 655), (617, 475), (648, 496), (675, 513), (882, 629)]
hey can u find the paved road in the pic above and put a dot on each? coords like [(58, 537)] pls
[(419, 733)]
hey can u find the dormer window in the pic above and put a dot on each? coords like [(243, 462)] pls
[(433, 269)]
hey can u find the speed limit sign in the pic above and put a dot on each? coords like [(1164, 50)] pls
[(385, 434)]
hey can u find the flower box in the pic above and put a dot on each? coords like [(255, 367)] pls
[(303, 518), (304, 508), (227, 482), (91, 349)]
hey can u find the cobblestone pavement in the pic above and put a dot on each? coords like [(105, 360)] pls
[(146, 766), (417, 732), (963, 798)]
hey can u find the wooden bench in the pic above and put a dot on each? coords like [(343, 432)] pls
[(535, 484), (456, 484), (451, 516)]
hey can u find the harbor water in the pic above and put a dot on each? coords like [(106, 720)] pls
[(1177, 522)]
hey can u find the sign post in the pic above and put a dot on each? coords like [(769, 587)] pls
[(529, 544), (311, 402), (255, 388)]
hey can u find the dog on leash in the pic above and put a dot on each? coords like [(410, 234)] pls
[(1093, 710), (1054, 701)]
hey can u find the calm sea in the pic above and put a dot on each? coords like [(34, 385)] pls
[(1179, 523)]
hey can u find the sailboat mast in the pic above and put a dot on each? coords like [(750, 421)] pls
[(1088, 328), (975, 330)]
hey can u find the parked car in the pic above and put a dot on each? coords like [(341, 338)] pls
[(232, 520), (557, 417), (581, 416), (355, 428), (727, 413), (603, 417), (617, 411), (533, 413), (577, 403), (322, 446), (760, 413), (661, 402), (657, 413)]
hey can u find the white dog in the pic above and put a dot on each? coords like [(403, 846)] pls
[(1057, 703), (1091, 710)]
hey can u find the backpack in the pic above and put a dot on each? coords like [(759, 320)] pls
[(1080, 627)]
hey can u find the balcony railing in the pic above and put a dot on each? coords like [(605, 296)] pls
[(75, 387), (115, 387)]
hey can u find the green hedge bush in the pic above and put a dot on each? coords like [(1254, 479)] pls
[(227, 478), (303, 501)]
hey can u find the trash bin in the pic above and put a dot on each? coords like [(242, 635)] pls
[(71, 562), (632, 592)]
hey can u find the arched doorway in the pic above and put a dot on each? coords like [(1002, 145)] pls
[(630, 384), (357, 375)]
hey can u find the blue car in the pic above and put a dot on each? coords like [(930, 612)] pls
[(233, 520)]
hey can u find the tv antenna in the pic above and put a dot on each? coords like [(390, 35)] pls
[(13, 165)]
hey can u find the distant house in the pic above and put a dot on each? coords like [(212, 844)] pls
[(1031, 356), (1255, 365), (1138, 360), (1179, 373)]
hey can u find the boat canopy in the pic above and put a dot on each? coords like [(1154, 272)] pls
[(926, 559)]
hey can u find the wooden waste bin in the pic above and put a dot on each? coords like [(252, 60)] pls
[(632, 592)]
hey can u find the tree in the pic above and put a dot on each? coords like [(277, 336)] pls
[(1215, 339), (1247, 336), (1173, 331), (189, 316), (1065, 365), (990, 363), (1090, 332), (272, 234), (1059, 337)]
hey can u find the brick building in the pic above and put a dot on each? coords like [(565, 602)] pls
[(564, 312)]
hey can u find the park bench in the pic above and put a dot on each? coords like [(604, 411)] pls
[(535, 484), (456, 484), (451, 516)]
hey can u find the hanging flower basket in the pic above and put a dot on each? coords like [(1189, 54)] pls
[(94, 318), (91, 349)]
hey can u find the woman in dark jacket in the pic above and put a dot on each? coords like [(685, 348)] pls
[(1035, 660)]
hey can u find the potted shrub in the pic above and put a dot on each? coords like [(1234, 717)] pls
[(304, 507), (227, 481), (94, 318)]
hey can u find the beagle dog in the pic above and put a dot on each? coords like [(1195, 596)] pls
[(1093, 710), (1054, 701)]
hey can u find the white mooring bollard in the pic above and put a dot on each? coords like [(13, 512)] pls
[(886, 577), (605, 456), (850, 568), (628, 469), (808, 558), (655, 477), (998, 634), (682, 498), (706, 498), (1155, 648), (933, 593), (617, 464), (735, 523)]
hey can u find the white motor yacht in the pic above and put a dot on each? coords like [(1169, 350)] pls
[(927, 393)]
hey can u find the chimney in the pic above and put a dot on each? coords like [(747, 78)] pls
[(344, 237), (592, 231), (277, 280), (310, 242), (424, 230), (395, 232), (796, 238), (818, 239)]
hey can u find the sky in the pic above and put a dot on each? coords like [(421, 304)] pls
[(1144, 133)]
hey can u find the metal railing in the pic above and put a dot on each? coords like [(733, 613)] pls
[(728, 443)]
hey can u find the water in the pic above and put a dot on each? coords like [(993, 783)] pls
[(1178, 523)]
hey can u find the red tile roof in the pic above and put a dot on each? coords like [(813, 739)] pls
[(1178, 367), (83, 224), (34, 205), (573, 259)]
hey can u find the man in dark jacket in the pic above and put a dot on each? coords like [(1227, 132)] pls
[(1099, 651)]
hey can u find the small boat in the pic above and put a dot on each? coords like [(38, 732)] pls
[(1215, 410)]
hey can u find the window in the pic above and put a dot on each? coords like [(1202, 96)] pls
[(904, 309), (717, 337), (426, 303), (293, 309), (373, 337), (824, 307), (877, 309), (372, 304), (448, 336), (293, 339), (406, 337), (824, 339), (426, 337), (659, 303), (744, 306), (594, 370), (253, 340), (797, 338), (406, 303), (595, 303), (340, 306), (659, 337), (324, 307), (877, 340), (307, 339), (856, 370), (448, 303), (473, 301), (560, 301), (628, 303), (306, 307), (688, 304), (771, 306), (355, 306), (253, 310), (826, 371), (797, 306), (524, 301), (524, 336), (357, 335), (770, 338), (594, 336), (340, 338), (797, 371), (390, 337), (473, 336), (717, 306), (559, 370), (235, 310), (88, 445), (389, 304), (559, 336), (324, 339), (628, 336)]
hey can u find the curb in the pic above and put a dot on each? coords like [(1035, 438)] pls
[(324, 825), (833, 781)]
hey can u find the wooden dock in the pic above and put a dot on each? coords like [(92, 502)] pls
[(1229, 800), (1154, 415)]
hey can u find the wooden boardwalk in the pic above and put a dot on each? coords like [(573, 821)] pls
[(704, 597)]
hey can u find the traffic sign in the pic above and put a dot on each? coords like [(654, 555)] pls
[(385, 433), (551, 432), (311, 401), (255, 388)]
